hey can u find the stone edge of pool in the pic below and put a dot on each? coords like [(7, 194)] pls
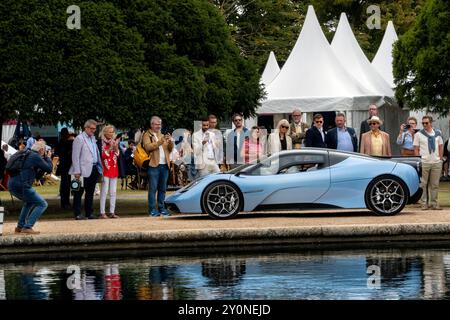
[(217, 240)]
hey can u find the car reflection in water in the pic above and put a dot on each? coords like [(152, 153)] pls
[(404, 274)]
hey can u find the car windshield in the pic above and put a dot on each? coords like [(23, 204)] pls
[(286, 163), (247, 165)]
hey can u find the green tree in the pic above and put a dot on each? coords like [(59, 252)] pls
[(422, 60), (401, 12), (129, 60), (261, 26)]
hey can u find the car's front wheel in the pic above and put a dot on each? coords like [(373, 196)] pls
[(386, 195), (222, 200)]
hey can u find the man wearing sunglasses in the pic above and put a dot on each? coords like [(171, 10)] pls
[(365, 127), (375, 142), (429, 145), (316, 136), (235, 141)]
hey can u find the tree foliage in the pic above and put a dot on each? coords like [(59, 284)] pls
[(129, 61), (422, 60)]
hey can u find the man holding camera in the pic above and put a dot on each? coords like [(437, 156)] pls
[(405, 137), (159, 147), (86, 163), (21, 186)]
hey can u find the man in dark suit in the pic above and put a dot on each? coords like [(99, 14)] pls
[(342, 137), (316, 136)]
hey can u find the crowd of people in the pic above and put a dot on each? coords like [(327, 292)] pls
[(84, 161)]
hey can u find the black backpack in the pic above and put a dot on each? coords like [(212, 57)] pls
[(15, 163)]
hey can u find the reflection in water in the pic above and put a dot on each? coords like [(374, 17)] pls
[(113, 284), (223, 272), (404, 274), (161, 282), (2, 285)]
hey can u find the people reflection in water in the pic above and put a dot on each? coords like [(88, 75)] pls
[(2, 285), (161, 284), (223, 272), (113, 283), (391, 268), (32, 287), (88, 291)]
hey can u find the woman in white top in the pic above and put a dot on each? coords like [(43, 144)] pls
[(280, 139)]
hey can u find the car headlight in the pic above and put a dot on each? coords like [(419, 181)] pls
[(190, 185)]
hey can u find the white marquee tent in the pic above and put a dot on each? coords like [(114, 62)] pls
[(271, 70), (350, 55), (383, 58), (313, 79)]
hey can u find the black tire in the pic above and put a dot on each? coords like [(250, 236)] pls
[(386, 195), (416, 197), (222, 200)]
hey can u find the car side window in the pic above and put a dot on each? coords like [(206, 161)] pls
[(288, 163), (296, 168)]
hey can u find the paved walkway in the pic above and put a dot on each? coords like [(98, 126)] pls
[(242, 221), (199, 233)]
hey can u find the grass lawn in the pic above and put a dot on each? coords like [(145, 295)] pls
[(129, 202)]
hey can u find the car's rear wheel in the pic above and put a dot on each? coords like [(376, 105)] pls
[(386, 195), (222, 200), (415, 197)]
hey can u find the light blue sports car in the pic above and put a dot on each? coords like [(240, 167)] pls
[(306, 178)]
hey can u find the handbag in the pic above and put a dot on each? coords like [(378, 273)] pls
[(141, 157)]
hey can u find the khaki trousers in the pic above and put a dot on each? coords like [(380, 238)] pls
[(431, 173)]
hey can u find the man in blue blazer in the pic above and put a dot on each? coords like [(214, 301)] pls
[(316, 135), (342, 137)]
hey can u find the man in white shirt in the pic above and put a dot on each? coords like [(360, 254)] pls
[(429, 145), (205, 149)]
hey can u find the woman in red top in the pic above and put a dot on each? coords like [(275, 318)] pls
[(110, 161)]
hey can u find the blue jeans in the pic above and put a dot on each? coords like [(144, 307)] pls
[(157, 181), (34, 205)]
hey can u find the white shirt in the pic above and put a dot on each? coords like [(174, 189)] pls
[(207, 136), (162, 156), (323, 134), (421, 141)]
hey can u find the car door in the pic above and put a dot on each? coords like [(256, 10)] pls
[(286, 180)]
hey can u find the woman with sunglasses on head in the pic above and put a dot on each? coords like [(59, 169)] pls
[(316, 135), (280, 140), (375, 142)]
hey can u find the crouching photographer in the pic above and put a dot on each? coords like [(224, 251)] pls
[(23, 168)]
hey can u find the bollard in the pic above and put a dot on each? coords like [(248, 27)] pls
[(2, 214)]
